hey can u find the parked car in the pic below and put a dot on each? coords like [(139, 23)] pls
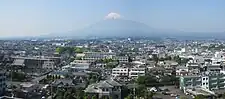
[(173, 95), (165, 93)]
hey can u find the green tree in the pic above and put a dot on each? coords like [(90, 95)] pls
[(183, 97), (17, 76), (177, 59), (199, 97), (141, 80), (223, 95), (140, 91), (149, 94), (184, 61), (60, 50), (59, 94), (155, 58), (94, 97), (78, 50), (72, 59), (66, 94), (168, 58), (78, 58), (147, 80), (129, 96)]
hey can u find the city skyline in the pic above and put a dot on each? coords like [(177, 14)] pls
[(41, 17)]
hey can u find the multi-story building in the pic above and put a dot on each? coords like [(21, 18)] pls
[(93, 56), (76, 67), (210, 81), (181, 70), (121, 59), (215, 65), (35, 63), (135, 72), (194, 67), (120, 71), (131, 73), (190, 81)]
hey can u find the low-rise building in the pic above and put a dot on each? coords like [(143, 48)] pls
[(76, 67), (120, 71), (121, 59), (93, 56), (181, 70), (34, 64), (105, 89), (210, 81), (135, 72), (131, 73)]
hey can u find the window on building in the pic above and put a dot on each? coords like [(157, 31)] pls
[(206, 83), (203, 83), (203, 78), (206, 78)]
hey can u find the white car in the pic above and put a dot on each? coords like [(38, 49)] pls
[(173, 95)]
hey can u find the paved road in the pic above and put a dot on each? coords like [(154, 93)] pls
[(37, 79)]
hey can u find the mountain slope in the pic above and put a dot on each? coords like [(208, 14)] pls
[(115, 28), (128, 28)]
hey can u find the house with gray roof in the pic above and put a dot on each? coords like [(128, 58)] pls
[(107, 88)]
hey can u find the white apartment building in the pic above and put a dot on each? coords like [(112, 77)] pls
[(122, 59), (135, 72), (93, 56), (215, 65), (181, 71), (120, 71), (210, 81), (129, 72)]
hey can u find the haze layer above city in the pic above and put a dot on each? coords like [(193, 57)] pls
[(112, 18)]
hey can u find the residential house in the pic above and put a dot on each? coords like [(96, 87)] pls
[(108, 88)]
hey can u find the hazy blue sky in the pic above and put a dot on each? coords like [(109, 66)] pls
[(37, 17)]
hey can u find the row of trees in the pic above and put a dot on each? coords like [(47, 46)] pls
[(49, 79), (110, 63), (93, 78), (69, 50), (215, 47), (152, 81), (70, 94), (18, 76), (175, 58)]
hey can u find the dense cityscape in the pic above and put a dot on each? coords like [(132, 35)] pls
[(112, 68), (112, 49)]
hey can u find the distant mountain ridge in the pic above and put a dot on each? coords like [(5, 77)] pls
[(129, 28), (116, 28)]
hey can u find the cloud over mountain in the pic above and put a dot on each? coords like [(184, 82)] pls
[(113, 15)]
